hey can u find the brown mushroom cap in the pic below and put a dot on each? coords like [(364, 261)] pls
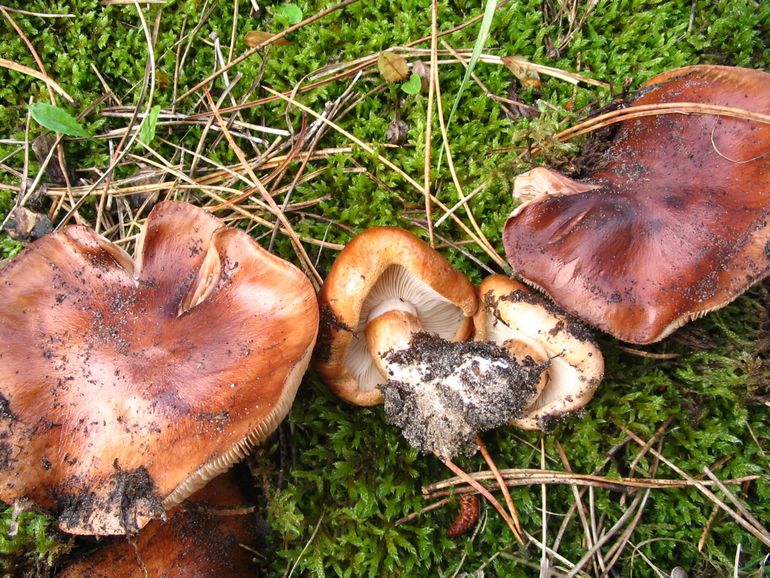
[(203, 537), (673, 225), (510, 311), (384, 263), (125, 386)]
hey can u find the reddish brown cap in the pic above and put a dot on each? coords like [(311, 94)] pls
[(384, 264), (673, 225), (125, 387), (510, 312), (210, 534)]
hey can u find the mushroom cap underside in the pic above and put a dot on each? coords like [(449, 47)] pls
[(124, 388), (510, 310), (677, 224), (379, 264)]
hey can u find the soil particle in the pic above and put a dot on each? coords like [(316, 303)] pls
[(328, 327), (5, 409), (442, 395), (131, 496)]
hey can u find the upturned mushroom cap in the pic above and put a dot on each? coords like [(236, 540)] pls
[(380, 264), (203, 537), (509, 311), (126, 385), (673, 225)]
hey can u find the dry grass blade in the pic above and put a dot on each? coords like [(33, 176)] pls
[(641, 111), (50, 82), (639, 502), (499, 260), (571, 77), (529, 477), (495, 472), (468, 479), (257, 184), (759, 532), (255, 49)]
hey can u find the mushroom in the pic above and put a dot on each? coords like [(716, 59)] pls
[(672, 225), (125, 385), (522, 322), (394, 315), (385, 286), (209, 534)]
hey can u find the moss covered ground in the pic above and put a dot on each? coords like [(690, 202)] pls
[(336, 482)]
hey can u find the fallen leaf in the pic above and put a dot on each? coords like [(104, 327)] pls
[(523, 70), (392, 66), (257, 37)]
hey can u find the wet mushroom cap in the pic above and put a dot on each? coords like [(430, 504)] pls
[(203, 537), (384, 264), (671, 225), (511, 312), (125, 385)]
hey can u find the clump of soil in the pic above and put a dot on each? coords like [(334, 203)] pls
[(442, 395)]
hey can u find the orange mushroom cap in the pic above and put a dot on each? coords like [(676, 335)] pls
[(384, 264), (126, 385), (203, 537), (674, 223)]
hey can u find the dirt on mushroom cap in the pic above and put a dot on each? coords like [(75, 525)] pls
[(455, 391), (121, 395)]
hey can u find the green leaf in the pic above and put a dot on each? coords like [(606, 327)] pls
[(413, 85), (291, 12), (56, 119), (147, 132), (481, 40)]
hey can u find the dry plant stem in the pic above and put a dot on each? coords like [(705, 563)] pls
[(120, 154), (301, 253), (493, 255), (529, 477), (641, 111), (434, 506), (484, 492), (50, 82), (658, 435), (433, 81), (615, 551), (578, 504), (35, 55), (255, 49), (486, 245), (707, 528), (647, 354), (544, 562), (503, 488), (759, 532), (638, 502), (738, 505)]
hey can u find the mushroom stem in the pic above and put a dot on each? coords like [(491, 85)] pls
[(390, 331)]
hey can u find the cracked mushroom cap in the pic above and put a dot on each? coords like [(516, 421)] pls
[(384, 264), (673, 223), (514, 317), (125, 385), (207, 535)]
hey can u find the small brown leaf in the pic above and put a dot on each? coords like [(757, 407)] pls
[(392, 66), (523, 70), (257, 37)]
